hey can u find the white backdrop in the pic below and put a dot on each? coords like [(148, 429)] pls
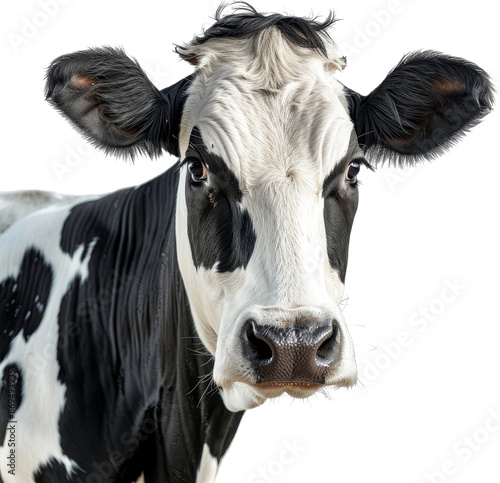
[(424, 258)]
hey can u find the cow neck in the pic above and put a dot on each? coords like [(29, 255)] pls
[(193, 414)]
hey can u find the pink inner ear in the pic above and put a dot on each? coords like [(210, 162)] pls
[(447, 88), (82, 81)]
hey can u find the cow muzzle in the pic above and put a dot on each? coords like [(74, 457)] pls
[(296, 350), (297, 355), (273, 350)]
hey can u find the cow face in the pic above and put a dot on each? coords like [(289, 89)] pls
[(266, 202), (271, 145)]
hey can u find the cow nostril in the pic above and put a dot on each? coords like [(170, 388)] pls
[(326, 351), (258, 349)]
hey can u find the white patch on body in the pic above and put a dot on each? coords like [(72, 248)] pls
[(43, 396)]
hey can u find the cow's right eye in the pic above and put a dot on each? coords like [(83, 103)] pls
[(198, 170)]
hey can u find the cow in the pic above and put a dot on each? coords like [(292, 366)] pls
[(137, 327)]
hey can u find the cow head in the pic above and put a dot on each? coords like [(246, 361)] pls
[(270, 146)]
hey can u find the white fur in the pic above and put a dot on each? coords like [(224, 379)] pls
[(240, 397), (280, 122), (37, 433), (209, 467)]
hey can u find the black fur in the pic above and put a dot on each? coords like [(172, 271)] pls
[(51, 472), (341, 203), (23, 299), (218, 230), (424, 105), (110, 100), (247, 22)]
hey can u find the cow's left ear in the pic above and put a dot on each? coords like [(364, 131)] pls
[(107, 96), (421, 108)]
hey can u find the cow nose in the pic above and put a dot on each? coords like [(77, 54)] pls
[(301, 353)]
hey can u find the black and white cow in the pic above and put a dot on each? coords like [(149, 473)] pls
[(137, 327)]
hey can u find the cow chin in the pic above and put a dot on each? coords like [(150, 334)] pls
[(241, 396)]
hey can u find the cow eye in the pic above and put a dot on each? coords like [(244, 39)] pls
[(352, 173), (197, 169)]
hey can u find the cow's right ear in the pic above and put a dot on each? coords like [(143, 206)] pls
[(110, 100)]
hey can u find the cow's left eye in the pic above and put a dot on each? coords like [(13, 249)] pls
[(198, 170), (352, 173)]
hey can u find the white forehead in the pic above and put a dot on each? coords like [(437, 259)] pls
[(269, 108)]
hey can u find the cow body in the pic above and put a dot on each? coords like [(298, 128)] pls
[(137, 327)]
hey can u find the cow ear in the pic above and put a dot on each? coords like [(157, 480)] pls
[(110, 100), (421, 108)]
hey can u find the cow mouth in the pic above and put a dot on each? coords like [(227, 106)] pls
[(286, 384), (298, 390)]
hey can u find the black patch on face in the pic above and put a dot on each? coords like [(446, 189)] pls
[(23, 299), (11, 397), (341, 202), (219, 231)]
